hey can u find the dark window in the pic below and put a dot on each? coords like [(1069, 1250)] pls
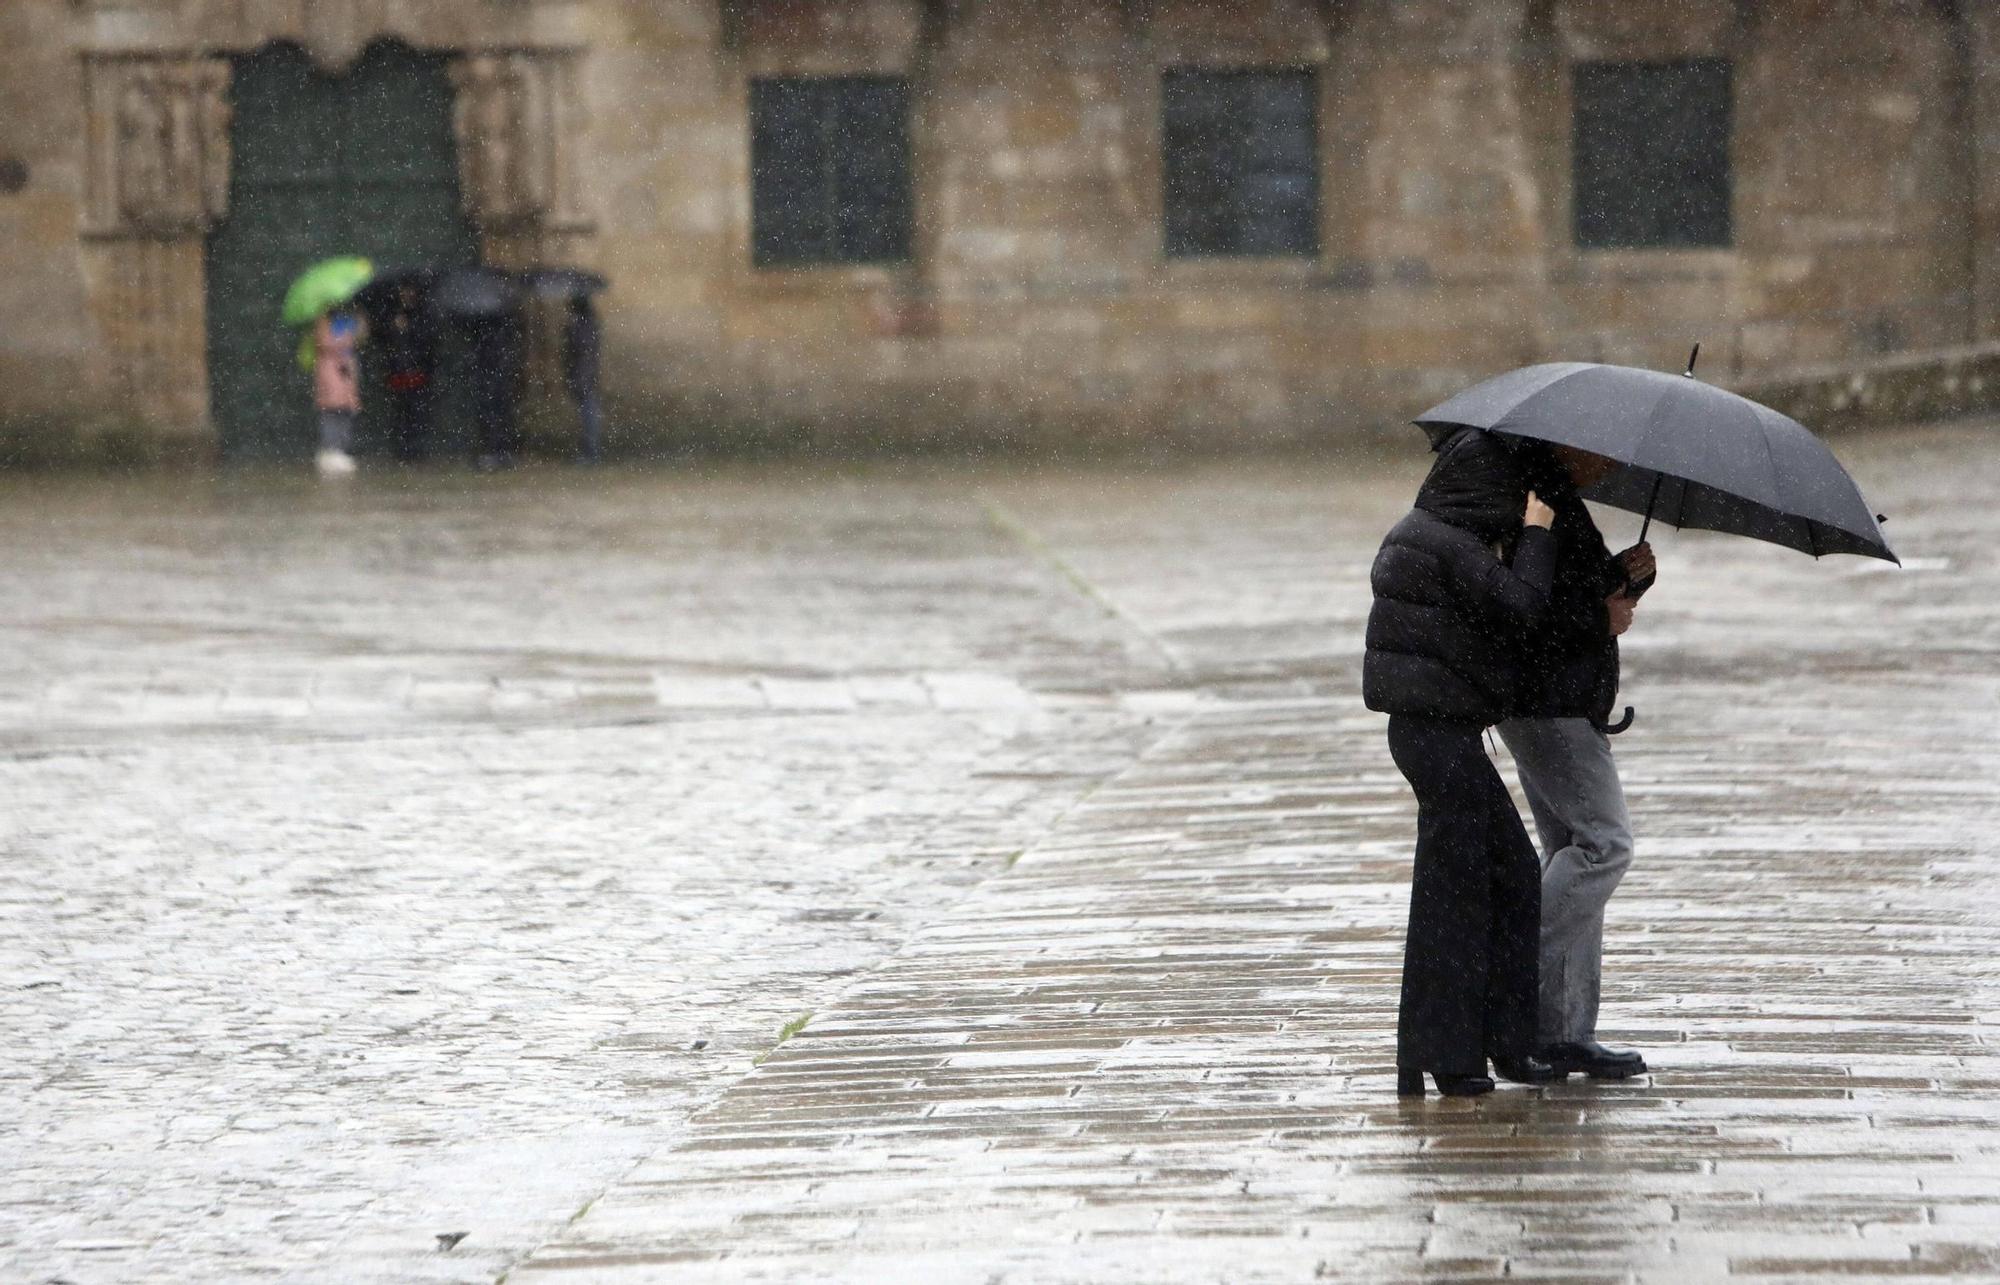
[(1652, 153), (829, 170), (1240, 162)]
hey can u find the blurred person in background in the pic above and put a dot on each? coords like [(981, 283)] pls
[(336, 372), (583, 340), (499, 353), (410, 347)]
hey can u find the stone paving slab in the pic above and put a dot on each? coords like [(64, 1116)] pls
[(323, 699)]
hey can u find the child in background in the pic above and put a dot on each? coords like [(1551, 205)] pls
[(336, 389)]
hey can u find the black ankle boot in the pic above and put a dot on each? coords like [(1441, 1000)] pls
[(1410, 1084), (1462, 1086), (1527, 1070)]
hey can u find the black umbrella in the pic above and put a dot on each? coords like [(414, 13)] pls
[(563, 283), (1693, 454), (476, 292), (379, 298)]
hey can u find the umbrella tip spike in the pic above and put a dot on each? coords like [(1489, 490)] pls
[(1694, 353)]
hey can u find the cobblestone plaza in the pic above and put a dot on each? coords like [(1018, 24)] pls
[(447, 854)]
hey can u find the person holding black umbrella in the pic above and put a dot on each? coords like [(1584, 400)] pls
[(410, 353), (499, 355), (1560, 742), (1461, 584), (583, 342), (1669, 447), (582, 346), (484, 304)]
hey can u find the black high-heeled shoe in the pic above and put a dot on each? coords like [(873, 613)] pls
[(1410, 1084)]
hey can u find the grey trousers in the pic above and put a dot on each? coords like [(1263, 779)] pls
[(1572, 785), (336, 430)]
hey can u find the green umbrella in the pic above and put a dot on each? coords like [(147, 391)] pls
[(323, 287)]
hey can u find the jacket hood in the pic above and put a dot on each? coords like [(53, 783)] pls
[(1475, 485)]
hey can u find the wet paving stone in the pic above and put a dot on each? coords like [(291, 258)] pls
[(1195, 969), (403, 859), (374, 872)]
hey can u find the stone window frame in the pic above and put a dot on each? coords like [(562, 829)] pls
[(1170, 35), (1146, 149), (747, 58), (1551, 48)]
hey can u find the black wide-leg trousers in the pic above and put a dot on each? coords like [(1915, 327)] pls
[(1470, 978)]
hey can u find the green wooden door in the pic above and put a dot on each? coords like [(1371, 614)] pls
[(356, 164)]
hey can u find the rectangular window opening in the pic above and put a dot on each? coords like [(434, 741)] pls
[(829, 170), (1651, 153), (1240, 162)]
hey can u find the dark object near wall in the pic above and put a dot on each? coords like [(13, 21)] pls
[(13, 175), (476, 291), (562, 284), (1240, 162), (1651, 163), (829, 170), (378, 299)]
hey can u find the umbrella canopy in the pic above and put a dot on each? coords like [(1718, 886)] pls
[(563, 283), (324, 286), (476, 292), (1694, 455)]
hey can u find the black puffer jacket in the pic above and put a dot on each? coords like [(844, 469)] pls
[(1448, 630), (1571, 662)]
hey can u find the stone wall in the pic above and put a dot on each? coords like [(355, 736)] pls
[(53, 384), (118, 123), (1941, 384), (1038, 307)]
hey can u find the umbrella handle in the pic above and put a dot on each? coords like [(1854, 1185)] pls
[(1658, 478), (1651, 500)]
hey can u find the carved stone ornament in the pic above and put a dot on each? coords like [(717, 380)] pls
[(160, 145), (505, 120)]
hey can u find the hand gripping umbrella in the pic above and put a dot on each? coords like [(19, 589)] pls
[(1693, 454)]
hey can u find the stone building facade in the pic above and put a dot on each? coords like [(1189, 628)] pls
[(1033, 292)]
